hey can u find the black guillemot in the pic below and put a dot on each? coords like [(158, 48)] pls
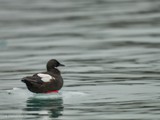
[(45, 82)]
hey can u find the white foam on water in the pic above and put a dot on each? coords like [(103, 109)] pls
[(67, 96), (70, 94), (48, 96), (19, 93), (70, 97), (24, 93)]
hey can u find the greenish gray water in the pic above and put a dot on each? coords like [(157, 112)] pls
[(110, 49)]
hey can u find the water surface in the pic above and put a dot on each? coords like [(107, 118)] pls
[(110, 49)]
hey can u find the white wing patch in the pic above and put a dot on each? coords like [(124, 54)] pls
[(45, 77)]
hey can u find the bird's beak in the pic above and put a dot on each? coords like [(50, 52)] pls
[(61, 64)]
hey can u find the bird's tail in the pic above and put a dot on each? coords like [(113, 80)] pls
[(27, 79), (31, 80)]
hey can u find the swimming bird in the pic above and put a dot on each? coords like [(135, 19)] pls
[(45, 82)]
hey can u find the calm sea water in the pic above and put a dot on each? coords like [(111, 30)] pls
[(111, 49)]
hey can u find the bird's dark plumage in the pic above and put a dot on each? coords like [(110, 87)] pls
[(44, 82)]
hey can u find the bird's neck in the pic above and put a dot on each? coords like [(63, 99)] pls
[(54, 70)]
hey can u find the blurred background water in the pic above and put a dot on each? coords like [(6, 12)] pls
[(111, 49)]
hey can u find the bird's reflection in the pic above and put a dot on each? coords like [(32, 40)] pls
[(54, 107)]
